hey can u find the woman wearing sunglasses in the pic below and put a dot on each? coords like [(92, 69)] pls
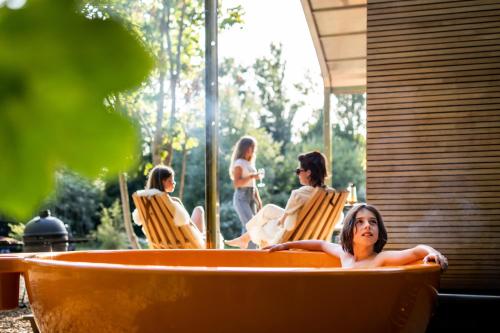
[(267, 227)]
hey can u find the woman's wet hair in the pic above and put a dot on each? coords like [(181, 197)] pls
[(347, 234), (316, 163), (157, 176)]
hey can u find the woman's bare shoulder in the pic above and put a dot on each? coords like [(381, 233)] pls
[(334, 249)]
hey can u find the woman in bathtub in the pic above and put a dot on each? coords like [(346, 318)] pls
[(361, 242)]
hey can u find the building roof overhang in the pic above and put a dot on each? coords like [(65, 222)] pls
[(338, 31)]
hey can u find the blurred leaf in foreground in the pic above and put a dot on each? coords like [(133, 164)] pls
[(56, 68)]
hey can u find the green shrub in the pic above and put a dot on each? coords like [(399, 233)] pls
[(16, 231), (111, 232), (230, 225)]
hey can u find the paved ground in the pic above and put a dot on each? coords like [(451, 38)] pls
[(11, 321)]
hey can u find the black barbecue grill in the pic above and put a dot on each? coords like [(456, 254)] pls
[(45, 233)]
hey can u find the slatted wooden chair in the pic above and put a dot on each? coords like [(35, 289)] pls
[(157, 215), (318, 217)]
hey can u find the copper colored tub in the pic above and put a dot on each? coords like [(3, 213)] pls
[(217, 291)]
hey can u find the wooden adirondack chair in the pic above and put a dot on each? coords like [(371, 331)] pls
[(318, 217), (157, 215)]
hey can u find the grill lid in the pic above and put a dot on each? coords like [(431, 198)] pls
[(45, 225)]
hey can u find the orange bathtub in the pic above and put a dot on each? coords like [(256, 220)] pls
[(217, 291)]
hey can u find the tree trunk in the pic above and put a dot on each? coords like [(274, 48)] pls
[(175, 68), (170, 146), (158, 134), (183, 170), (126, 212)]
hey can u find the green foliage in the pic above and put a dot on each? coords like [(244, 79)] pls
[(349, 164), (349, 144), (111, 232), (77, 202), (229, 222), (173, 30), (231, 17), (16, 231), (350, 114), (277, 114), (56, 68)]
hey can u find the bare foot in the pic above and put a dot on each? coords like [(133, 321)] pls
[(241, 242)]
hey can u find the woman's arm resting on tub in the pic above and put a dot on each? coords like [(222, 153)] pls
[(419, 252), (309, 245)]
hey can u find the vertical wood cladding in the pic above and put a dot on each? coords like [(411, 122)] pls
[(433, 147)]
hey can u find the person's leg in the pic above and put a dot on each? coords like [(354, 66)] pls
[(242, 204), (246, 208), (264, 226), (272, 212), (255, 227), (241, 242), (253, 207), (198, 218)]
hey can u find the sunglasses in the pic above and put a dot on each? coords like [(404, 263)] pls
[(298, 171)]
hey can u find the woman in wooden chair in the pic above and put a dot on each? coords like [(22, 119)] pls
[(162, 179), (271, 222)]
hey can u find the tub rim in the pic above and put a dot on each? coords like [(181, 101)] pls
[(49, 259)]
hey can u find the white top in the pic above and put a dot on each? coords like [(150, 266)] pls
[(264, 229), (247, 168), (298, 198), (181, 216)]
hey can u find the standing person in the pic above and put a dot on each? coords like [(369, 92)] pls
[(270, 223), (246, 198), (361, 242)]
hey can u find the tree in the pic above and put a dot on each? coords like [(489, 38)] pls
[(351, 114), (172, 29), (349, 143), (173, 18), (127, 219), (277, 114), (76, 202), (189, 121)]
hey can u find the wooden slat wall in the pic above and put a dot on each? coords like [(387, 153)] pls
[(433, 118)]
